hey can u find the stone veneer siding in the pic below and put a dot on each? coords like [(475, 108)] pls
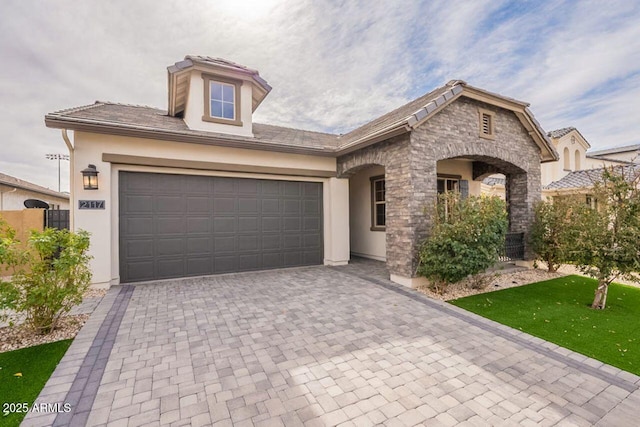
[(410, 171)]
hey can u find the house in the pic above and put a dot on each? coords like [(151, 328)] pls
[(568, 174), (14, 191), (200, 188), (577, 166)]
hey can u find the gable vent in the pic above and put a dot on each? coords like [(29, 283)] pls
[(486, 124)]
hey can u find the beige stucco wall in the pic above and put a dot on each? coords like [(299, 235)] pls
[(553, 171), (195, 109), (364, 242), (103, 224), (14, 200), (463, 168)]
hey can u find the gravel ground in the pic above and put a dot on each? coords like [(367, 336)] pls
[(492, 282), (16, 337), (19, 336)]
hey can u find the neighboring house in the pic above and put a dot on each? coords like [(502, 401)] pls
[(580, 183), (627, 153), (574, 158), (14, 191), (200, 189)]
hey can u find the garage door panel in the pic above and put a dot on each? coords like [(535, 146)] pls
[(249, 262), (170, 246), (270, 188), (224, 205), (170, 267), (291, 224), (179, 225), (312, 224), (292, 259), (170, 225), (247, 206), (198, 225), (312, 190), (271, 224), (248, 186), (225, 264), (139, 204), (168, 204), (311, 207), (272, 260), (292, 242), (249, 224), (199, 266), (137, 226), (169, 184), (225, 244), (271, 241), (139, 248), (199, 245), (270, 206), (198, 184), (224, 224), (224, 186), (248, 243), (198, 204), (291, 207)]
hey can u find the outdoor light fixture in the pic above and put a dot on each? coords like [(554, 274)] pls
[(90, 178)]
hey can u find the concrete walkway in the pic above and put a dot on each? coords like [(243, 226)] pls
[(319, 346)]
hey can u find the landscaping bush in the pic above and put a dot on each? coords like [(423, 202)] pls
[(49, 276), (551, 232), (465, 239)]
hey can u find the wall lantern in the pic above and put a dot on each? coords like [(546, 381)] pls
[(90, 178)]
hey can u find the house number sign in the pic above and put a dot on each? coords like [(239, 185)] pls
[(90, 204)]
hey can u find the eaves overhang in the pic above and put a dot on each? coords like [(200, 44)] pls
[(215, 139)]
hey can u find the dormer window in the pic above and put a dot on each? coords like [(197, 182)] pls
[(221, 100)]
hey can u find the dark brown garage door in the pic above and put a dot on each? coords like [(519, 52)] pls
[(184, 225)]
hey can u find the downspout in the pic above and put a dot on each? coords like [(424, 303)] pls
[(67, 141)]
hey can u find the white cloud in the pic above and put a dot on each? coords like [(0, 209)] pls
[(333, 66)]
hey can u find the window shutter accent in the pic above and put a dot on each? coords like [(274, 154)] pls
[(464, 188)]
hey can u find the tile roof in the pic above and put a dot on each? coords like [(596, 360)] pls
[(11, 181), (614, 150), (148, 118), (113, 118), (559, 133), (393, 117), (585, 178)]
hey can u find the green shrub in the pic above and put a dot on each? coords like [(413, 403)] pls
[(465, 239), (552, 230), (49, 276)]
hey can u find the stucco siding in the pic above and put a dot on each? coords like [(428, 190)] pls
[(104, 224), (364, 241)]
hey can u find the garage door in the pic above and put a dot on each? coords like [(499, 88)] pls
[(184, 225)]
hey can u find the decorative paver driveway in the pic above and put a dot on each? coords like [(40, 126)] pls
[(319, 346)]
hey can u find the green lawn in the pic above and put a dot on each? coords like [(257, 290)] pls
[(559, 311), (35, 364)]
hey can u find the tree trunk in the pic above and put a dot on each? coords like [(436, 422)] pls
[(600, 300)]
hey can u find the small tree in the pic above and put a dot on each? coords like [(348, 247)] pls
[(606, 242), (551, 230), (49, 277), (465, 239)]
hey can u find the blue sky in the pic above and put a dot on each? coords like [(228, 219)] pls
[(333, 64)]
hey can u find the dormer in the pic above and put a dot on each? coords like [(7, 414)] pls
[(215, 95)]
